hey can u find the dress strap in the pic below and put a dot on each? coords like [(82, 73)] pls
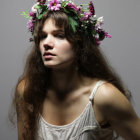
[(95, 89)]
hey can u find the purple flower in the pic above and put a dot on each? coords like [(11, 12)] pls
[(71, 5), (91, 8), (54, 5), (32, 14), (79, 9), (30, 25), (41, 1), (108, 35), (97, 41), (87, 15), (31, 39)]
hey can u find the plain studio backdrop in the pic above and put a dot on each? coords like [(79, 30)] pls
[(122, 21)]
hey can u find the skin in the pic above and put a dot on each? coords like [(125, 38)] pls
[(113, 107), (69, 92), (53, 40)]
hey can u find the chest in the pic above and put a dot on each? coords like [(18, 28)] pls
[(63, 113)]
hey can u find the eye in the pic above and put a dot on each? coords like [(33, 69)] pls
[(43, 36), (61, 36)]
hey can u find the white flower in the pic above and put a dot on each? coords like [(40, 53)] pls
[(99, 23), (94, 16), (100, 20), (33, 9)]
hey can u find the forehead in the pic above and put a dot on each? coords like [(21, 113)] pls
[(50, 25)]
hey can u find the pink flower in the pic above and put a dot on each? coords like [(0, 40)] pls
[(70, 5), (108, 35), (54, 5), (87, 15), (32, 14), (30, 25), (79, 9), (91, 8), (97, 41)]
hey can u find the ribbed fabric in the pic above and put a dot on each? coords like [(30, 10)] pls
[(84, 127)]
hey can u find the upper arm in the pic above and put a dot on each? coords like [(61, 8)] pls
[(21, 110), (116, 108), (19, 98)]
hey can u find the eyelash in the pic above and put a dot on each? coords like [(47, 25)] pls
[(61, 36), (42, 37)]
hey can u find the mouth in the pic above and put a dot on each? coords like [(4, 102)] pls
[(48, 55)]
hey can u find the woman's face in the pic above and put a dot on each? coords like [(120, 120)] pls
[(56, 50)]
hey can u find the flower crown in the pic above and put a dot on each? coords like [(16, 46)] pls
[(78, 16)]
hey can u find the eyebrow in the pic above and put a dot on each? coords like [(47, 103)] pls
[(54, 31)]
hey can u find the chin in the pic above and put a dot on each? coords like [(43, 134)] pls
[(51, 65), (56, 66)]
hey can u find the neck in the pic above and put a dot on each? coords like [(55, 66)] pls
[(63, 81)]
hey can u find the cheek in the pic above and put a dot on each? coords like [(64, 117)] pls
[(65, 48), (67, 51), (40, 47)]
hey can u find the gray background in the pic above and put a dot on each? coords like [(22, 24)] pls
[(122, 20)]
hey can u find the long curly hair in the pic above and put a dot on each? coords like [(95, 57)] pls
[(90, 62)]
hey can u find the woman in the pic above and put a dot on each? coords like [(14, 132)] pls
[(68, 91)]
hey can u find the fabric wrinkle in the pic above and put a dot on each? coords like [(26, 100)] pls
[(84, 127)]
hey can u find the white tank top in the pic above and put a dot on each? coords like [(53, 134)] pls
[(84, 127)]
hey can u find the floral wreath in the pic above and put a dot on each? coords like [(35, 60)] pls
[(78, 16)]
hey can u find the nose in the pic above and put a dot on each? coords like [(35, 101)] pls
[(48, 42)]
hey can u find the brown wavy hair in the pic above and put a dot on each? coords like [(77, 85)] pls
[(90, 62)]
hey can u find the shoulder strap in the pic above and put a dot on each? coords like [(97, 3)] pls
[(95, 89)]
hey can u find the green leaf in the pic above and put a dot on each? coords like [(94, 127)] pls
[(93, 32), (44, 7), (64, 3), (73, 23), (38, 7), (41, 15), (26, 14), (23, 13), (66, 11)]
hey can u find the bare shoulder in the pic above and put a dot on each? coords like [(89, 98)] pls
[(113, 107), (112, 103), (108, 95), (20, 88), (20, 101)]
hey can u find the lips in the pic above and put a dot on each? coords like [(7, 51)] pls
[(48, 53)]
